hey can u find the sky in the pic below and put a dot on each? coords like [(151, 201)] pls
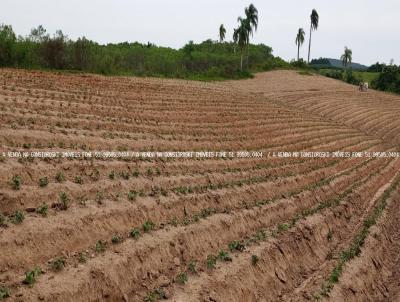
[(369, 27)]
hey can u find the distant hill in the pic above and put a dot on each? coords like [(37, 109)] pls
[(335, 63)]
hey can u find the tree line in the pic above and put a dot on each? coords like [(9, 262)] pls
[(209, 59)]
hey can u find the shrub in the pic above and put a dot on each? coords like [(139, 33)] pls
[(16, 182), (111, 175), (43, 182), (388, 79), (335, 74), (299, 64), (350, 78)]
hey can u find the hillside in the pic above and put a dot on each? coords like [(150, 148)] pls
[(335, 63)]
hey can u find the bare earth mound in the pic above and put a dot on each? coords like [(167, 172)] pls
[(213, 229)]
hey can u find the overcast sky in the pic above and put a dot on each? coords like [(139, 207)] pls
[(371, 28)]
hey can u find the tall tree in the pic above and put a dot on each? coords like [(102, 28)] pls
[(251, 13), (299, 41), (7, 44), (222, 32), (314, 26), (346, 57), (240, 36)]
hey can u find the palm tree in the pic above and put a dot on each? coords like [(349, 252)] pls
[(346, 57), (314, 26), (251, 13), (299, 41), (240, 36), (222, 32)]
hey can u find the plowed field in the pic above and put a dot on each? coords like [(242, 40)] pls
[(197, 229)]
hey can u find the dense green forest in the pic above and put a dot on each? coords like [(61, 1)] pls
[(207, 60)]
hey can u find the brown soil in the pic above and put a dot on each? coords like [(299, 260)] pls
[(293, 216)]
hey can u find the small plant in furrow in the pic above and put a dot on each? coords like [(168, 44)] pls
[(60, 177), (58, 264), (78, 180), (192, 266), (82, 258), (95, 175), (329, 236), (16, 182), (42, 209), (282, 227), (3, 222), (182, 278), (64, 198), (135, 233), (111, 175), (43, 182), (211, 261), (148, 226), (156, 295), (100, 246), (31, 276), (224, 256), (254, 259), (236, 246), (135, 173), (132, 195), (125, 175), (115, 239), (99, 197), (4, 293), (17, 217)]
